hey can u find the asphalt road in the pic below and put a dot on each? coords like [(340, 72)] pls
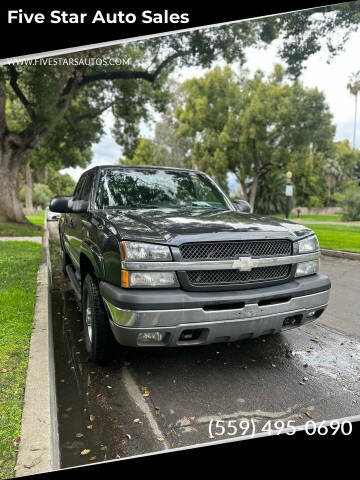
[(310, 373)]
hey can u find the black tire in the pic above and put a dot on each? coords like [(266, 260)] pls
[(63, 260), (99, 340)]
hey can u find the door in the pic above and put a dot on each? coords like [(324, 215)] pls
[(74, 228)]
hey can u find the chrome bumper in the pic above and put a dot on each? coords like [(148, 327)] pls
[(249, 321)]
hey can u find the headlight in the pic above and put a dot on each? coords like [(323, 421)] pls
[(136, 251), (148, 279), (307, 268), (309, 244)]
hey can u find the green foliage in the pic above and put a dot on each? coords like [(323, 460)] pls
[(59, 183), (143, 154), (42, 195), (350, 204), (252, 126), (304, 33)]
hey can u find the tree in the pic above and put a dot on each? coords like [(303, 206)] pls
[(167, 148), (143, 154), (354, 88), (58, 102), (50, 97), (42, 195), (252, 126)]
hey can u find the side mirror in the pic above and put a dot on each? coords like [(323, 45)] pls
[(60, 204), (242, 206), (78, 206)]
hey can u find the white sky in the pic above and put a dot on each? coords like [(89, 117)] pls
[(330, 78)]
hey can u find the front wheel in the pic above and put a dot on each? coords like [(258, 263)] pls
[(99, 340)]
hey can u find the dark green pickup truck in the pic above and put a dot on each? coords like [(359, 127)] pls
[(160, 257)]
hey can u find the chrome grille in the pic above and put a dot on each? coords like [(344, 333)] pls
[(232, 250), (220, 277), (205, 251)]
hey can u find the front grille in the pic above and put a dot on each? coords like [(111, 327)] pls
[(220, 277), (205, 251), (232, 250)]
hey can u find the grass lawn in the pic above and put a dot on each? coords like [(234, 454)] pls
[(19, 263), (38, 218), (337, 237), (16, 230)]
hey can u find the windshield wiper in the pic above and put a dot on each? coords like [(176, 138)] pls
[(205, 205), (141, 205)]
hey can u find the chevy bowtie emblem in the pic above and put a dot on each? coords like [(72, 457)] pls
[(244, 263)]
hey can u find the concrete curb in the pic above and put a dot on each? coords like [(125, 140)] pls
[(341, 254), (39, 445)]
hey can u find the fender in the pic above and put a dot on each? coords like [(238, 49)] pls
[(89, 250)]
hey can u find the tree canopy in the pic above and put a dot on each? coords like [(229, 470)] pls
[(251, 126)]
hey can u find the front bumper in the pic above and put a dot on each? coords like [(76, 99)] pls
[(195, 318)]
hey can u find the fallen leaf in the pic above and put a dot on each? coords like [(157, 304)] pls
[(157, 408), (127, 364), (191, 418), (308, 414), (89, 427), (68, 409), (305, 379), (92, 458), (4, 370), (85, 452), (78, 435), (273, 365), (16, 441), (136, 420), (160, 439), (103, 447), (109, 386), (146, 394), (92, 418), (128, 436)]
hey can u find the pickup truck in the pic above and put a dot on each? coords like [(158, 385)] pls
[(160, 256)]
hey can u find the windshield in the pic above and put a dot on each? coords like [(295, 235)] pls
[(158, 189)]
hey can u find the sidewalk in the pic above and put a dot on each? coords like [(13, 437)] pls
[(38, 449), (22, 239), (316, 222)]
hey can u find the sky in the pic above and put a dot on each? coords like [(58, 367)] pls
[(330, 78)]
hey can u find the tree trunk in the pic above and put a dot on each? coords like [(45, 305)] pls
[(10, 206), (355, 119), (253, 191), (29, 190), (244, 191), (254, 185)]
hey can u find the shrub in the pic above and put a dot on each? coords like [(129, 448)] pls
[(350, 204)]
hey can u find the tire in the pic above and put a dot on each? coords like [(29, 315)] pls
[(99, 340), (63, 261)]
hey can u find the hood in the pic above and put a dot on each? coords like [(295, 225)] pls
[(174, 227)]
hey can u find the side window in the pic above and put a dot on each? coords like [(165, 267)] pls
[(78, 188), (86, 190)]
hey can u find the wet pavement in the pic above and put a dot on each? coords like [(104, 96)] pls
[(152, 399)]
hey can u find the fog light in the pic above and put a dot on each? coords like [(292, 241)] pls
[(307, 268), (151, 337)]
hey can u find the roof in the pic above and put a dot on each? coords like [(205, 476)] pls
[(140, 167)]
